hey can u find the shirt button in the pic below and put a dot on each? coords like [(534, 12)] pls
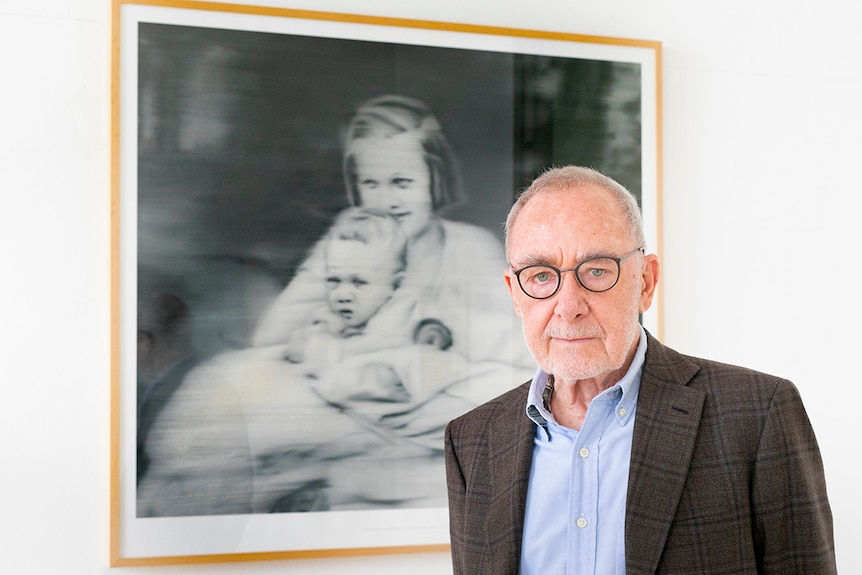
[(581, 522), (622, 412), (584, 452)]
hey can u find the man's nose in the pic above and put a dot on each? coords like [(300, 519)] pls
[(572, 298)]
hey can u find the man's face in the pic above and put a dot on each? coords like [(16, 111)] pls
[(360, 278), (577, 334)]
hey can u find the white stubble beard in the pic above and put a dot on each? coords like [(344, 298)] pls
[(575, 366)]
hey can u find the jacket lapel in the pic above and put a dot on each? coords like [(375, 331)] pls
[(666, 424), (511, 455)]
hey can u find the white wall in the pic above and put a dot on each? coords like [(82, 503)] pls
[(761, 200)]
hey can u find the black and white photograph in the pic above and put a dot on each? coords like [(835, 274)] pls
[(310, 262)]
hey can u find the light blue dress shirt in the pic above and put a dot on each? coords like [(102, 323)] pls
[(576, 498)]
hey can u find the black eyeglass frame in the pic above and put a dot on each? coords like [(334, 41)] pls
[(575, 269)]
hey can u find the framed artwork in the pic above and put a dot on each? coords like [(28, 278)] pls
[(307, 260)]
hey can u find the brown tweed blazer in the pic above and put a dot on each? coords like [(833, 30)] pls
[(725, 478)]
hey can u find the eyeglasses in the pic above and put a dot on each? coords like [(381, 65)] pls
[(597, 274)]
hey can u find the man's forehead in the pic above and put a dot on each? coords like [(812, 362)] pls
[(567, 224), (579, 211)]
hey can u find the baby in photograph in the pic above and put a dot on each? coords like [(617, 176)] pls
[(368, 374), (366, 313)]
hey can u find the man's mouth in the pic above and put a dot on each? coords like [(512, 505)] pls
[(570, 336)]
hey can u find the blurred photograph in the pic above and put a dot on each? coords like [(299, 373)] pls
[(313, 201)]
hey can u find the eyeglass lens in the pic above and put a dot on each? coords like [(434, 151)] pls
[(596, 274)]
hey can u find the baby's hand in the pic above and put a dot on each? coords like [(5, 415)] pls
[(432, 332)]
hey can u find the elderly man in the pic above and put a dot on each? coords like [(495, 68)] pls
[(621, 455)]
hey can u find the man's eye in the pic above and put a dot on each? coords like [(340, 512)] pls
[(541, 276), (359, 283), (369, 184), (402, 183)]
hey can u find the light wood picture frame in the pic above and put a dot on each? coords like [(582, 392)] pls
[(229, 166)]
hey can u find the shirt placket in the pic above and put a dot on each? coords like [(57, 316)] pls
[(584, 513)]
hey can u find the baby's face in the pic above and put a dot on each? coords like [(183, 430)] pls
[(360, 278)]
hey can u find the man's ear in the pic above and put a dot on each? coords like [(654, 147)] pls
[(510, 283), (399, 279), (649, 277)]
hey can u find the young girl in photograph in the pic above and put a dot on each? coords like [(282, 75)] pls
[(398, 160)]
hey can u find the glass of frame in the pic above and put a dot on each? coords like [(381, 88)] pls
[(307, 255)]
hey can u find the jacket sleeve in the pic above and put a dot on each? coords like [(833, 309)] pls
[(457, 489), (792, 520)]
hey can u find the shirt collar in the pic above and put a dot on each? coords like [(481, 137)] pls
[(539, 394)]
